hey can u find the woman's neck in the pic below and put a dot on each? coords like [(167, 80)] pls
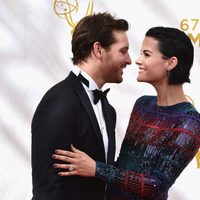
[(170, 95)]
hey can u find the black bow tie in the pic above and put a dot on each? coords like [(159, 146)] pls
[(98, 94)]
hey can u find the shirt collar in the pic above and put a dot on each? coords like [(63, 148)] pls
[(92, 84)]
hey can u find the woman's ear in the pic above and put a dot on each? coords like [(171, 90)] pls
[(172, 63)]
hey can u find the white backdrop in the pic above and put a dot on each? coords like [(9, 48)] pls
[(35, 52)]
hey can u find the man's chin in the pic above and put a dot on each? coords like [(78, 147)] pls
[(119, 81)]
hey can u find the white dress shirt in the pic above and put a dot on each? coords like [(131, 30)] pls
[(97, 107)]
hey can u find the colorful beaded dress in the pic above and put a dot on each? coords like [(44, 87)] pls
[(159, 143)]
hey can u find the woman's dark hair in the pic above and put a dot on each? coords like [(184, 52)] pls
[(174, 42), (97, 27)]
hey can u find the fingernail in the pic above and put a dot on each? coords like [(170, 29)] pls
[(60, 174), (55, 165), (53, 156)]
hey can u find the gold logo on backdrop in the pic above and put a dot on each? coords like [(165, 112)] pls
[(189, 99), (198, 159), (192, 27), (66, 9)]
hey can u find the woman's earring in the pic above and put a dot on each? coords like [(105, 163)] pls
[(168, 73)]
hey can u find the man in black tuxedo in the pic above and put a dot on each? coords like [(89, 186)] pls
[(70, 114)]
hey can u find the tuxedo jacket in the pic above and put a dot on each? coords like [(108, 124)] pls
[(63, 117)]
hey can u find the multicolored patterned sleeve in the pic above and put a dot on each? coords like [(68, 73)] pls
[(141, 184)]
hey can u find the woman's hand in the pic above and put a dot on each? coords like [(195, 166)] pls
[(80, 163)]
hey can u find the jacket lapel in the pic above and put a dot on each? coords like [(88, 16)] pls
[(88, 108)]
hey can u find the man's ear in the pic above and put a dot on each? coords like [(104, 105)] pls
[(97, 49), (172, 63)]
